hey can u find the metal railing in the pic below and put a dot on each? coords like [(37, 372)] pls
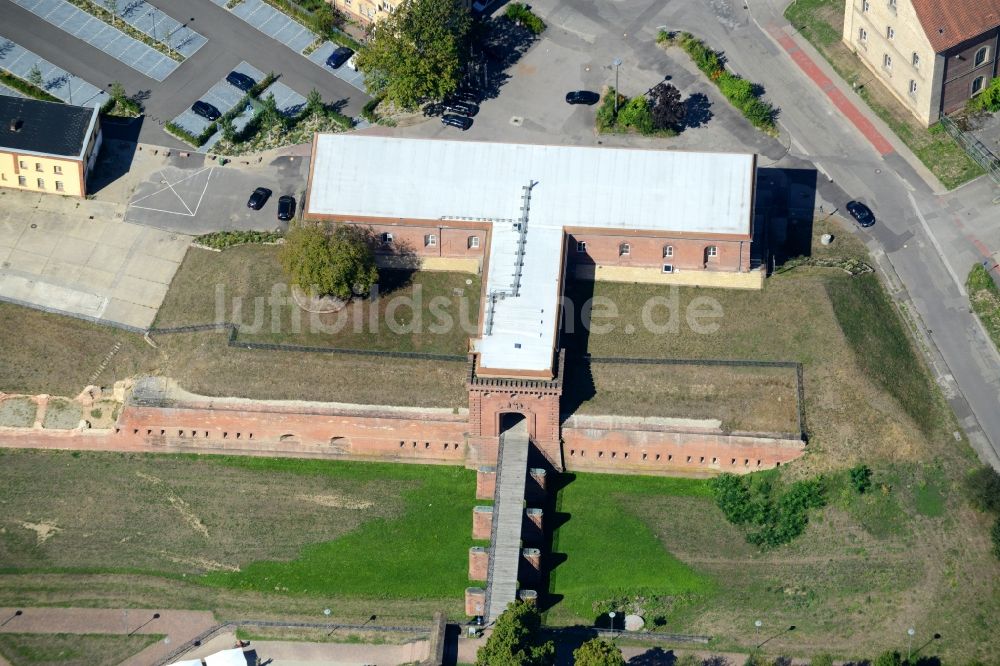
[(976, 149)]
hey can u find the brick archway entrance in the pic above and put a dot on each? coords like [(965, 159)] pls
[(497, 403)]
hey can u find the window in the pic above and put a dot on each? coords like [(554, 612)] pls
[(22, 181), (913, 87), (22, 164), (57, 170), (38, 166), (865, 5), (977, 85), (916, 59), (473, 242), (887, 61), (624, 250), (889, 32), (981, 56), (386, 238), (862, 35), (581, 246), (41, 183), (668, 268), (59, 186), (668, 250), (712, 251), (431, 240)]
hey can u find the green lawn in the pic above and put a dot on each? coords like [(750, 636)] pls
[(420, 311), (72, 649), (821, 22), (326, 530)]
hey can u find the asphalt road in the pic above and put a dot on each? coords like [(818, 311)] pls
[(925, 243), (230, 40)]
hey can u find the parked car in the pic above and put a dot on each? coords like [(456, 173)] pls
[(467, 96), (286, 207), (206, 110), (862, 213), (339, 57), (240, 80), (582, 97), (461, 122), (461, 108), (259, 198)]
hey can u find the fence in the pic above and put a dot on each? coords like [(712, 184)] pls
[(975, 148)]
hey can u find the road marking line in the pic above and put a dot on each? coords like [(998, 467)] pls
[(211, 170), (160, 210), (164, 189), (937, 246)]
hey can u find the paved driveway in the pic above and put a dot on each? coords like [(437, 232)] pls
[(83, 261)]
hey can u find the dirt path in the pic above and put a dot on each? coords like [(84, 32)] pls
[(178, 626)]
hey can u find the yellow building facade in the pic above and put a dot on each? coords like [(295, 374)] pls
[(46, 146)]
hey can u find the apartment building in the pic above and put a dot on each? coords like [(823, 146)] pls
[(367, 12), (932, 55), (47, 146)]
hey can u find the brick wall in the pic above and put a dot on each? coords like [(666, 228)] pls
[(654, 251), (587, 446), (479, 563), (482, 522)]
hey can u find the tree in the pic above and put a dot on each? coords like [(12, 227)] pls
[(117, 91), (598, 652), (668, 109), (861, 478), (321, 262), (326, 19), (514, 641), (314, 103), (983, 487), (228, 129), (418, 51), (35, 76)]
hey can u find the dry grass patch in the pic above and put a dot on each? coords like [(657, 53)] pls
[(62, 414), (72, 649), (18, 412)]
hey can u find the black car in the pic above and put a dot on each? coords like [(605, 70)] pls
[(862, 213), (467, 96), (461, 122), (462, 108), (339, 57), (286, 207), (259, 198), (582, 97), (240, 80), (206, 110)]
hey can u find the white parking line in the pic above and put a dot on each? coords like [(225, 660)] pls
[(170, 186)]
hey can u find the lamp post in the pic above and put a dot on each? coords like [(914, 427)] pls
[(152, 21), (617, 63), (17, 613), (770, 638), (611, 616), (909, 643), (156, 616), (757, 625)]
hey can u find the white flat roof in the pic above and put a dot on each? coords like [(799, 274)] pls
[(613, 188), (619, 188)]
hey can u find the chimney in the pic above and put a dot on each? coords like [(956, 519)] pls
[(16, 124)]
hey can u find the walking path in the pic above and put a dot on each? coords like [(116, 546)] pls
[(179, 626), (505, 546)]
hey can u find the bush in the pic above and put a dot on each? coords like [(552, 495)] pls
[(636, 115), (995, 537), (773, 518), (736, 89), (606, 112), (598, 652), (519, 13), (220, 240), (515, 641), (983, 487), (368, 110), (988, 100), (861, 478), (183, 134)]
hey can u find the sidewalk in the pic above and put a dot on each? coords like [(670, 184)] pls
[(770, 19), (178, 626)]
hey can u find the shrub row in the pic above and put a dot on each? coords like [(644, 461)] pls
[(29, 89), (634, 114), (368, 110), (228, 116), (741, 93), (773, 517), (220, 240), (520, 14), (984, 295)]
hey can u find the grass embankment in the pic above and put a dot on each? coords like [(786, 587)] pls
[(246, 285), (821, 22), (72, 649), (35, 359), (208, 532), (984, 295)]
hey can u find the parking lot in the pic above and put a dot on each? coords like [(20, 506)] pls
[(97, 33), (56, 81), (344, 73), (275, 24), (149, 20), (202, 197), (223, 96)]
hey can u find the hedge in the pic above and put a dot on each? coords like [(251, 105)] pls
[(220, 240), (519, 13), (25, 87)]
